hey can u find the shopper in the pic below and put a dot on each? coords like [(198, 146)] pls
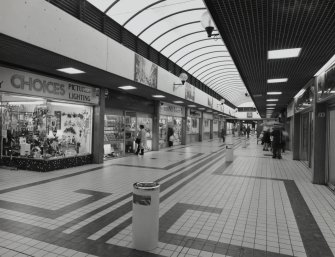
[(266, 140), (170, 136), (141, 140), (285, 138), (277, 142), (223, 133), (248, 131)]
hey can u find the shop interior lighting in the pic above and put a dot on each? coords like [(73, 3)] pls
[(158, 96), (127, 87), (178, 102), (300, 93), (279, 80), (274, 93), (272, 100), (28, 97), (326, 66), (27, 103), (284, 53), (71, 70), (62, 104)]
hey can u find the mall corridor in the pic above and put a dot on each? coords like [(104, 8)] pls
[(253, 206)]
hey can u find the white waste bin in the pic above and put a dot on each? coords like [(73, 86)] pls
[(244, 142), (145, 215), (229, 153)]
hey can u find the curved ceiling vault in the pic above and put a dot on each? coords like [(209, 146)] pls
[(173, 28)]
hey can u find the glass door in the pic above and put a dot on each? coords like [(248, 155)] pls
[(130, 132), (331, 150)]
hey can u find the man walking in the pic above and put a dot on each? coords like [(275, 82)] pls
[(277, 135)]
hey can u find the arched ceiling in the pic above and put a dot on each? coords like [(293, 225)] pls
[(173, 28)]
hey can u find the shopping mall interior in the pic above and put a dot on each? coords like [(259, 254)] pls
[(182, 128)]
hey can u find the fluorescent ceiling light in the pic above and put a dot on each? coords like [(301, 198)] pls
[(272, 100), (284, 53), (281, 80), (270, 108), (158, 96), (178, 102), (71, 70), (192, 105), (271, 104), (300, 93), (63, 104), (127, 87), (274, 93), (326, 66), (28, 97), (202, 108)]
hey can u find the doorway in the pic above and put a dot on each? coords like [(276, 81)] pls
[(331, 149)]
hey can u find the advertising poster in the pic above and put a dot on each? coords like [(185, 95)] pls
[(145, 71), (210, 101), (189, 92)]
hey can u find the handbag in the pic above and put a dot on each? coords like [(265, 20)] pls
[(137, 140)]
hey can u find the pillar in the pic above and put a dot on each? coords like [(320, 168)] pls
[(98, 129), (319, 143), (155, 126), (201, 128), (296, 137)]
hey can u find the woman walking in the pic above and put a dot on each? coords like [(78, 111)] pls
[(141, 140)]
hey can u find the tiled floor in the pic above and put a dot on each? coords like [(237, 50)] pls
[(254, 206)]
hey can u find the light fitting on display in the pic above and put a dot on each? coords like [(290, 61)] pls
[(208, 24), (71, 70), (158, 96), (274, 93), (280, 80), (284, 53), (127, 87)]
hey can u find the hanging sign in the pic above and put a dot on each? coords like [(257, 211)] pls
[(21, 82)]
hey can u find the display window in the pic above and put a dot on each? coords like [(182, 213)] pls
[(167, 125), (215, 126), (38, 128), (113, 135), (207, 127), (192, 125), (146, 121)]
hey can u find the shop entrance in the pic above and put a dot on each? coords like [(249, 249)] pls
[(331, 149)]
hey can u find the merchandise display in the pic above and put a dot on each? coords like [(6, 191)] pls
[(192, 125), (113, 136), (37, 128), (130, 132), (166, 122)]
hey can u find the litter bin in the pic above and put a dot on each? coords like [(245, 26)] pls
[(244, 142), (145, 215), (229, 149)]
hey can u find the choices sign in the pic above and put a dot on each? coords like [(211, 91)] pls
[(21, 82)]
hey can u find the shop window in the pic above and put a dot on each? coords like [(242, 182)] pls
[(36, 128)]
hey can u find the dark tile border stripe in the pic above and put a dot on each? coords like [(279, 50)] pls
[(312, 237)]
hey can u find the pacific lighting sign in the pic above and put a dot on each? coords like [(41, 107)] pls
[(21, 82)]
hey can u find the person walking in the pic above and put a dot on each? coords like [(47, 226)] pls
[(266, 140), (248, 131), (223, 133), (141, 140), (277, 142), (170, 136)]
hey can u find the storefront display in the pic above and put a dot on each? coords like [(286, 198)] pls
[(193, 126), (170, 124), (216, 127), (113, 136), (46, 123), (208, 127)]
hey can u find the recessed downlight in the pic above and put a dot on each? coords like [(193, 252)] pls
[(284, 53), (71, 70), (274, 93), (127, 87), (158, 96), (279, 80)]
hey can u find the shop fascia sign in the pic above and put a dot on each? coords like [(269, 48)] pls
[(194, 113), (20, 82), (208, 116), (172, 110)]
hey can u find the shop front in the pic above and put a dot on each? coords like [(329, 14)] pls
[(171, 124), (193, 126), (216, 119), (123, 116), (207, 126), (46, 123)]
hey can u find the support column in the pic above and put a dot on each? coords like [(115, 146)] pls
[(155, 126), (201, 128), (296, 136), (98, 129), (211, 129), (319, 143), (183, 128)]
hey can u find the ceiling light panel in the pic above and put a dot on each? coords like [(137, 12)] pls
[(158, 96), (274, 93), (178, 102), (272, 100), (279, 80), (284, 53), (127, 87), (71, 70)]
